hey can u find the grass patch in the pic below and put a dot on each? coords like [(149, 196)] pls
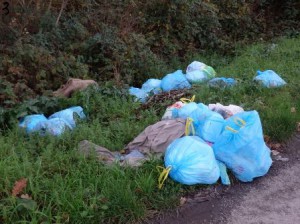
[(69, 188)]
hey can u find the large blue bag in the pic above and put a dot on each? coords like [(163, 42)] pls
[(269, 79), (208, 124), (174, 81), (30, 122), (140, 94), (152, 85), (191, 161), (68, 115), (242, 148)]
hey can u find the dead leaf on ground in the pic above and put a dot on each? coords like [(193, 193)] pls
[(293, 110), (19, 186), (182, 201)]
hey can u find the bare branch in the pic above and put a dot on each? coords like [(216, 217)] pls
[(63, 5)]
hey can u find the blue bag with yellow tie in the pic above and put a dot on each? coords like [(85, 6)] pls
[(241, 146)]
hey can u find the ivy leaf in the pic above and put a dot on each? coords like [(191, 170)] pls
[(27, 204)]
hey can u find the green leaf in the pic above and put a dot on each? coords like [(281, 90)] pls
[(84, 214), (104, 207), (27, 204)]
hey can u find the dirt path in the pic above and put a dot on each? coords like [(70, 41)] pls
[(274, 198)]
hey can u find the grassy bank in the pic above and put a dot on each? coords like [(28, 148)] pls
[(67, 188)]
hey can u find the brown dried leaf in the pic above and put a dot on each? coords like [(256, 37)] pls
[(15, 70), (19, 186)]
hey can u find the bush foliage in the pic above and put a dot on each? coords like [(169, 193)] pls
[(43, 43)]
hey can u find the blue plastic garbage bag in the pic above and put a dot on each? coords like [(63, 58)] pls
[(204, 107), (30, 122), (196, 76), (195, 66), (174, 81), (207, 124), (222, 82), (68, 115), (184, 111), (223, 173), (152, 85), (242, 148), (140, 94), (269, 79), (191, 161), (53, 126)]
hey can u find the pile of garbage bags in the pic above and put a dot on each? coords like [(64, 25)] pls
[(216, 137), (198, 143), (198, 72), (55, 125)]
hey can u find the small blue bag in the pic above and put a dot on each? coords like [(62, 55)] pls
[(174, 81), (152, 85), (222, 82), (184, 111), (68, 115), (191, 161), (202, 106), (30, 122), (140, 94), (269, 79), (242, 148)]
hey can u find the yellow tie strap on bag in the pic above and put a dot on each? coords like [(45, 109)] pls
[(240, 122), (164, 173), (186, 100), (189, 125)]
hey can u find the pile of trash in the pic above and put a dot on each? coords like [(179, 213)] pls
[(216, 137), (198, 142), (56, 124), (198, 72)]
